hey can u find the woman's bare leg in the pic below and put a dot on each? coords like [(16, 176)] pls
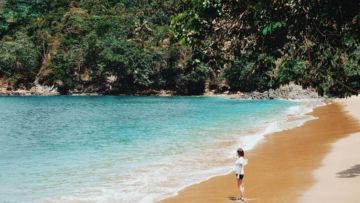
[(241, 187)]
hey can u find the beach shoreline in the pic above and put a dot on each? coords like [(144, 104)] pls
[(159, 183), (296, 116), (296, 173)]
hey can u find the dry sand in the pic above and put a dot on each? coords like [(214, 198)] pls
[(338, 178), (294, 164)]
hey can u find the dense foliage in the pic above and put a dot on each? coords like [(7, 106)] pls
[(107, 46), (128, 46), (261, 44)]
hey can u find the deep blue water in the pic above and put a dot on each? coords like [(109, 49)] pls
[(129, 149)]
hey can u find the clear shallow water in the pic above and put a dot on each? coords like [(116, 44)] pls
[(125, 149)]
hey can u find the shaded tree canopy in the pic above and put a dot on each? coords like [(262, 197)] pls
[(262, 44)]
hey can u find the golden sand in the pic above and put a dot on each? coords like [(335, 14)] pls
[(280, 168)]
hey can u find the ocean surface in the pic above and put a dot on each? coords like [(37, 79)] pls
[(126, 149)]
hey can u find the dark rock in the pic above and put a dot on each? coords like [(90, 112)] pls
[(291, 91)]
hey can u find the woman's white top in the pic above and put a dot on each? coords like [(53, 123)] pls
[(239, 165)]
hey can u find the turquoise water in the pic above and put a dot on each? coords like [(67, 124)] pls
[(128, 149)]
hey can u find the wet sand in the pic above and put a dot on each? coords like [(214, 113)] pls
[(281, 168)]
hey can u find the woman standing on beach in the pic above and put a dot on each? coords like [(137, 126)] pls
[(239, 171)]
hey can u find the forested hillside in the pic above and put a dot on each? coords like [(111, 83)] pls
[(102, 46), (128, 46)]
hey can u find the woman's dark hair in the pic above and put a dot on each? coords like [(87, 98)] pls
[(240, 152)]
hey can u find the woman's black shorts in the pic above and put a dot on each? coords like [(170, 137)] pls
[(240, 176)]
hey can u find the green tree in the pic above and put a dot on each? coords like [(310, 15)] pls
[(19, 59)]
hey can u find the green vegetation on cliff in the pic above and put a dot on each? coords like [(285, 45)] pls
[(128, 46), (103, 46)]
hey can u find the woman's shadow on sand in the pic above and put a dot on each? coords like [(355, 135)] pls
[(236, 199), (350, 173)]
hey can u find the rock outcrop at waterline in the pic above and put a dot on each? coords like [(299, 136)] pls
[(35, 90), (291, 91)]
